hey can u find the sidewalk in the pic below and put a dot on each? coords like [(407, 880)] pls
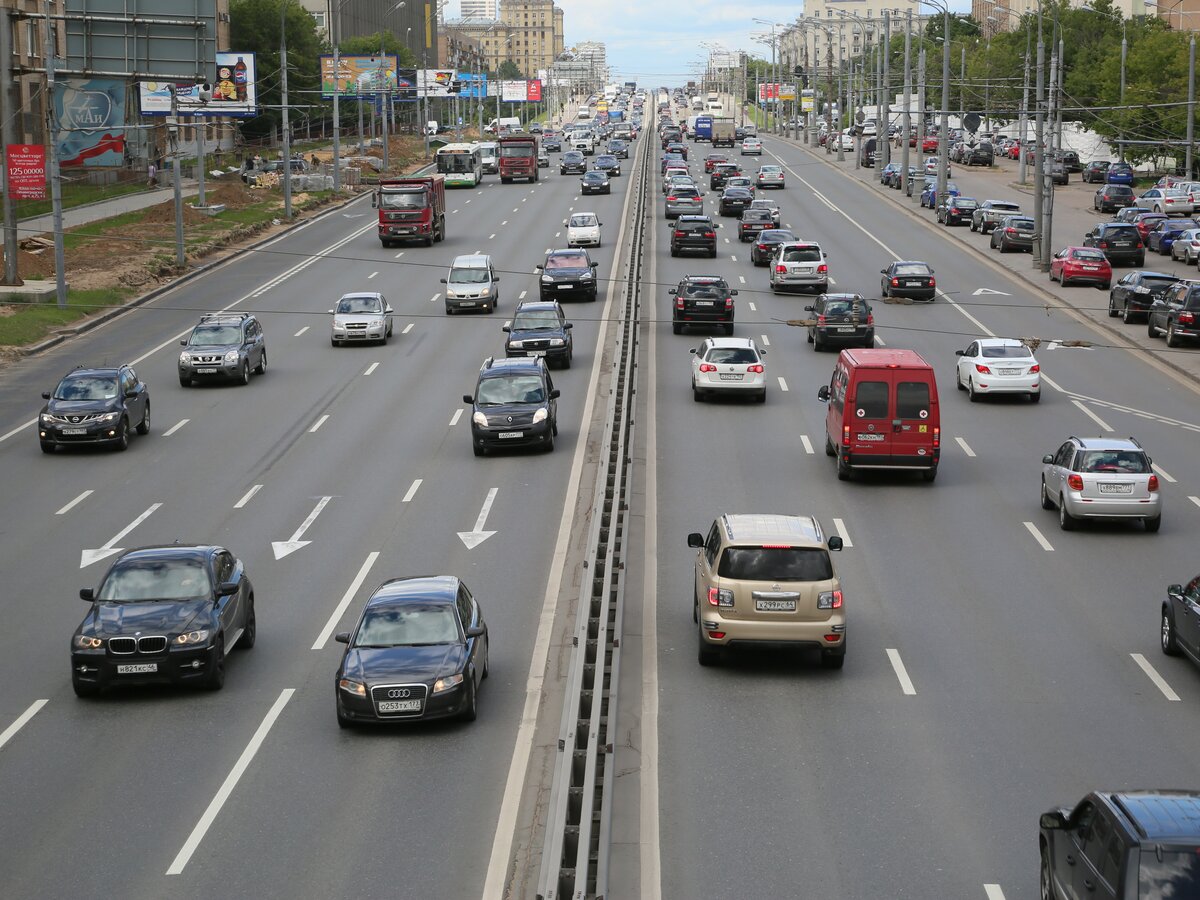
[(1073, 217), (105, 209)]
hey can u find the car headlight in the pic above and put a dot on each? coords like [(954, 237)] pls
[(479, 419), (191, 638), (516, 345), (539, 416), (377, 323), (185, 358), (46, 419), (231, 356), (556, 342), (586, 276), (547, 279), (110, 417), (87, 642), (350, 686), (447, 683)]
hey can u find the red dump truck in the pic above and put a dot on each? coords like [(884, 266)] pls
[(518, 157), (411, 209)]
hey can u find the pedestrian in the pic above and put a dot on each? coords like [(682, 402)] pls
[(316, 162), (152, 173)]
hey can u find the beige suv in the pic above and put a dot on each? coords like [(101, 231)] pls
[(768, 579)]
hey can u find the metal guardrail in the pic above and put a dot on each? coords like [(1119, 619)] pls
[(578, 833)]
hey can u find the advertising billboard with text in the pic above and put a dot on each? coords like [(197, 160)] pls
[(234, 91), (364, 76)]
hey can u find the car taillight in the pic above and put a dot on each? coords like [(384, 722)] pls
[(820, 320), (729, 303), (1139, 245), (679, 234), (679, 303), (895, 282), (710, 234), (1186, 318), (1075, 482), (932, 281), (670, 199), (1152, 484), (870, 318), (982, 369), (780, 269), (756, 369), (937, 435), (707, 367), (1033, 369), (829, 600), (822, 269), (846, 435), (1010, 231), (719, 597), (1103, 245)]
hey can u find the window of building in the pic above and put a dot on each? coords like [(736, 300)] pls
[(319, 19), (33, 41)]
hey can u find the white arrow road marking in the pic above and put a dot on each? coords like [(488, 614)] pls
[(1091, 415), (1161, 474), (1152, 674), (70, 506), (982, 291), (8, 733), (1038, 536), (110, 546), (337, 614), (231, 780), (477, 536), (808, 448), (292, 544), (906, 684), (247, 496)]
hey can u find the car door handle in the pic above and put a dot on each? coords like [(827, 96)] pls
[(1089, 885), (1070, 860)]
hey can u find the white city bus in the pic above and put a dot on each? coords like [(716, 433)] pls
[(462, 164)]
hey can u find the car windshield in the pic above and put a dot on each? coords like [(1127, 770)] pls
[(776, 564), (802, 254), (582, 221), (1129, 462), (351, 305), (606, 160), (1006, 352), (541, 320), (216, 334), (407, 626), (910, 269), (87, 387), (516, 151), (469, 275), (594, 176), (139, 580), (402, 199), (511, 389), (566, 261), (745, 355)]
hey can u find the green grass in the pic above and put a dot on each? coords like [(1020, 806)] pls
[(32, 322)]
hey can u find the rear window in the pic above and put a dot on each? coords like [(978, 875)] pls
[(1006, 352), (1118, 230), (871, 400), (1176, 874), (912, 400), (845, 308), (776, 564), (732, 355), (802, 254), (1129, 462), (912, 269)]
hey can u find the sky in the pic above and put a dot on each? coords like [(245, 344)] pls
[(661, 45)]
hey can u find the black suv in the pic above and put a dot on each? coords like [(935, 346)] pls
[(1121, 243), (982, 154), (1122, 846), (572, 162), (734, 201), (1176, 314), (223, 345), (720, 172), (957, 210), (540, 328), (1130, 298), (1180, 626), (163, 614), (515, 405), (702, 300), (567, 274), (94, 406), (841, 319), (1096, 171), (1113, 197), (694, 233)]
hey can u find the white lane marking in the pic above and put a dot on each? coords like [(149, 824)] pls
[(471, 198), (19, 428), (371, 368), (1046, 379), (766, 341), (110, 546), (412, 491), (321, 421), (1161, 474), (21, 721), (782, 384), (340, 609), (753, 308), (434, 298), (993, 892), (966, 449), (491, 237), (840, 527), (454, 418), (1152, 674), (1091, 415), (248, 496), (231, 780), (1195, 500), (401, 253), (879, 341), (174, 428), (1038, 536), (516, 209), (301, 331), (505, 222), (521, 296), (372, 275), (733, 257), (906, 684), (70, 506), (477, 536), (833, 281), (742, 279), (808, 447), (408, 327)]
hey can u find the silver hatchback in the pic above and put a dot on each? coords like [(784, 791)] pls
[(1101, 478), (799, 266), (682, 200)]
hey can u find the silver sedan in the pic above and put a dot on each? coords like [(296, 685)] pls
[(1171, 201)]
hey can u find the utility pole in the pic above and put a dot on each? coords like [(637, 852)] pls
[(944, 127), (1039, 167), (884, 125), (60, 264), (1191, 119), (1023, 127), (176, 179), (387, 100), (337, 90), (920, 111), (8, 128), (1048, 202), (906, 119), (829, 98), (287, 132)]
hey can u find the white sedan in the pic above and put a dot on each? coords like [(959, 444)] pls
[(998, 366), (728, 364), (583, 230), (750, 146)]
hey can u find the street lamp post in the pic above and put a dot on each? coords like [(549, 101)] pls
[(906, 121), (287, 137)]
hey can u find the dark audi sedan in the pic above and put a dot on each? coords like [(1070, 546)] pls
[(908, 279), (418, 651), (163, 614), (94, 406), (595, 182)]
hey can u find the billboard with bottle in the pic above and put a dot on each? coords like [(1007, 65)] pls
[(234, 91)]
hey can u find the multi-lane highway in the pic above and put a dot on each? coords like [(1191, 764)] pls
[(997, 666)]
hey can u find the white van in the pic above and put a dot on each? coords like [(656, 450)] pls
[(501, 123), (472, 283), (489, 157)]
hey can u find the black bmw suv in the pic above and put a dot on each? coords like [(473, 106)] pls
[(94, 406), (514, 405), (223, 345), (694, 233), (539, 328), (568, 274), (166, 614), (1131, 297)]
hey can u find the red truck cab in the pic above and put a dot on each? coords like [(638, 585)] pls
[(518, 157), (412, 208)]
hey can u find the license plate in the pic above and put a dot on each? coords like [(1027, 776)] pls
[(845, 329), (504, 435), (206, 371), (565, 287), (704, 303), (392, 706), (912, 284), (730, 376), (1116, 488), (466, 302), (74, 431), (1008, 371), (870, 437), (137, 669), (775, 605)]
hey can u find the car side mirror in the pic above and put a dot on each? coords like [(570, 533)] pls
[(1048, 459), (374, 202), (331, 312), (467, 398), (443, 280), (132, 392), (342, 637), (539, 268), (1173, 590), (883, 271), (810, 309), (1053, 821), (387, 310), (555, 394), (960, 352), (696, 539), (671, 291), (182, 343), (45, 395), (595, 265), (733, 293), (834, 542), (568, 325), (227, 588), (823, 393), (89, 594), (506, 329)]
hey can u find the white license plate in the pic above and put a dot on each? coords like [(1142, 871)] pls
[(704, 303), (730, 376), (466, 302), (391, 706), (912, 283), (1008, 371), (74, 431), (775, 605), (137, 669), (565, 287), (845, 329), (1090, 268), (803, 270), (206, 371), (1116, 488), (504, 435), (870, 437)]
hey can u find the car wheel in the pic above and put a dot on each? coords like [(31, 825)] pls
[(1046, 883), (1151, 331), (84, 689), (1035, 396), (971, 393), (973, 228), (47, 448), (762, 398), (705, 654), (122, 441), (1170, 646), (1066, 521), (244, 375), (829, 451), (1152, 525), (1172, 338), (834, 659), (676, 328), (262, 364), (216, 675), (697, 394), (1113, 312), (342, 721), (144, 425), (1126, 314), (674, 252), (1157, 208), (250, 632), (185, 381), (470, 710)]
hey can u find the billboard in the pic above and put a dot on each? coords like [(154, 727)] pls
[(472, 85), (436, 82), (724, 59), (521, 91), (27, 171), (807, 99), (787, 93), (366, 75), (91, 122), (234, 91)]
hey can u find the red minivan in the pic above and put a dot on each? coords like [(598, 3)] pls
[(883, 412)]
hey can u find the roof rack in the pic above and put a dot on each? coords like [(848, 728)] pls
[(236, 316)]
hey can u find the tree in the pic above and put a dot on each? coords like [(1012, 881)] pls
[(509, 71), (368, 45)]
